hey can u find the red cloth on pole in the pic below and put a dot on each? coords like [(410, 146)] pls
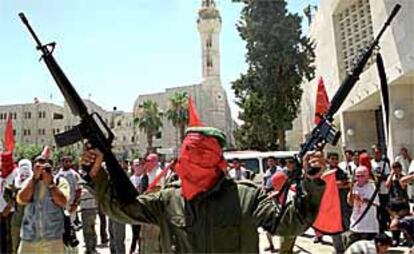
[(8, 135), (322, 101), (7, 165), (329, 219), (46, 152), (159, 176), (193, 118)]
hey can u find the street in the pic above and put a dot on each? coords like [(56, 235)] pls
[(304, 243)]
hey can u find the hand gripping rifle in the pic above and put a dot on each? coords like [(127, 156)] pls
[(325, 132), (89, 127)]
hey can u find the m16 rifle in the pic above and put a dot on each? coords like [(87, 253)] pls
[(326, 132), (89, 126)]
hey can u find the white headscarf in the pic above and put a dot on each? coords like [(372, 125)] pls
[(24, 172)]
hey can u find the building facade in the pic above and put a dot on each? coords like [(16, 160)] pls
[(341, 29), (36, 123), (33, 123), (209, 96)]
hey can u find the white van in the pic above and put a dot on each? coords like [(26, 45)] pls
[(256, 161)]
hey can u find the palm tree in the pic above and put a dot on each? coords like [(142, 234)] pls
[(178, 112), (149, 120)]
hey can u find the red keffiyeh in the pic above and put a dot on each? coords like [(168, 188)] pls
[(201, 160)]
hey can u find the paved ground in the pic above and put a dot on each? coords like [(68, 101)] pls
[(304, 244)]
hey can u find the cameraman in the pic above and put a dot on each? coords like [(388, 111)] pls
[(43, 221)]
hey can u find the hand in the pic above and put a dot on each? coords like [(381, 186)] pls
[(73, 208), (47, 178), (37, 172), (92, 158), (314, 159)]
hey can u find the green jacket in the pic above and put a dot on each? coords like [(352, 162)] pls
[(225, 219)]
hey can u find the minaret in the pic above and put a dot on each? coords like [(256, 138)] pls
[(209, 26)]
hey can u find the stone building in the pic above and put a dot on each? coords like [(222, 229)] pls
[(33, 123), (341, 29), (36, 123), (209, 96)]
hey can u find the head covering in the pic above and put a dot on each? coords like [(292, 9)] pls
[(278, 180), (201, 160), (365, 160), (7, 165), (24, 172)]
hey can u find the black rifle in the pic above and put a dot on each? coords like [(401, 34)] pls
[(88, 128), (326, 132)]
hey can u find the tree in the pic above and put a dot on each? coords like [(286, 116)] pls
[(279, 57), (149, 120), (26, 151), (72, 151), (178, 112)]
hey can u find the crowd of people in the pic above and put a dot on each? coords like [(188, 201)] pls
[(365, 182), (44, 203)]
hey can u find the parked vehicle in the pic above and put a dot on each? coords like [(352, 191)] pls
[(256, 161)]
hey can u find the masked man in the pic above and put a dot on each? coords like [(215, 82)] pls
[(208, 212)]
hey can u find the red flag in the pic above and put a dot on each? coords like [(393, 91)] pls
[(322, 101), (329, 218), (46, 152), (193, 118), (8, 135)]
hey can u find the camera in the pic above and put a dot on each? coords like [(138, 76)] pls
[(47, 168)]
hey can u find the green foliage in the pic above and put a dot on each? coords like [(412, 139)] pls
[(178, 112), (279, 57), (149, 120), (23, 151), (30, 151), (72, 151)]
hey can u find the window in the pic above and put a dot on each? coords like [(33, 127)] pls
[(57, 116), (26, 132), (42, 114), (27, 115), (357, 32), (41, 131), (14, 132)]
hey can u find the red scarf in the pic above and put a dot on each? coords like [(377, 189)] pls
[(201, 160), (7, 164)]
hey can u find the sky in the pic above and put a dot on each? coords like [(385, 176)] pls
[(113, 51)]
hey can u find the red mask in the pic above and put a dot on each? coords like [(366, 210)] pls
[(201, 160)]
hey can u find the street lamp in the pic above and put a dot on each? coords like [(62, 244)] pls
[(350, 132), (399, 113)]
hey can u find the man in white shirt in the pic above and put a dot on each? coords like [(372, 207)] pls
[(359, 198), (150, 234), (137, 169), (409, 179), (348, 164), (377, 168), (404, 159), (153, 169), (237, 172)]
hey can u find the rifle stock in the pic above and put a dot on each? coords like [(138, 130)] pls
[(89, 126)]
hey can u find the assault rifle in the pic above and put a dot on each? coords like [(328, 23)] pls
[(89, 126), (326, 132)]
